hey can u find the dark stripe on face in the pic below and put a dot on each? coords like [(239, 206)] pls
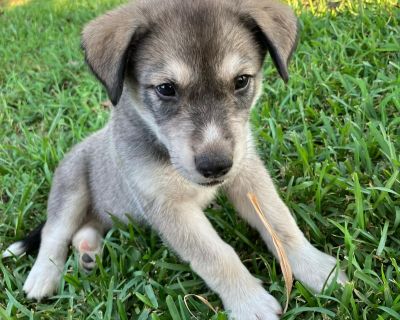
[(162, 110)]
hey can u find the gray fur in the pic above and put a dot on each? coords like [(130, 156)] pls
[(142, 162)]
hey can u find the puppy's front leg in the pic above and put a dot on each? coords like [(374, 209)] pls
[(186, 229), (309, 265)]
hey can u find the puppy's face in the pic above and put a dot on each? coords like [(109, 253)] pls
[(193, 71), (194, 86)]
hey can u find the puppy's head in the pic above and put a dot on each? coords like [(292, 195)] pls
[(193, 70)]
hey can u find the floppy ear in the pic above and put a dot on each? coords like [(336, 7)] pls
[(106, 42), (276, 28)]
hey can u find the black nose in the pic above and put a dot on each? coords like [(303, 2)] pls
[(213, 166)]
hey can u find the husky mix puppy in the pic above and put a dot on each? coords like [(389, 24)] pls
[(183, 77)]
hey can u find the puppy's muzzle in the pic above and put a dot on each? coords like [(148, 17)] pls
[(213, 165)]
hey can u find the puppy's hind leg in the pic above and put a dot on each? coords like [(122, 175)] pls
[(87, 240), (67, 208)]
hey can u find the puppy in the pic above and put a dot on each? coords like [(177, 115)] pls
[(182, 76)]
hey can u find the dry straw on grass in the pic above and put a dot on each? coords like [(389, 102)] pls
[(283, 260), (202, 299)]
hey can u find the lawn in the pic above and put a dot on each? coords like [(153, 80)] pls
[(330, 138)]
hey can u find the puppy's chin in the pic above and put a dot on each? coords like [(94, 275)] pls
[(196, 179), (208, 182), (212, 183)]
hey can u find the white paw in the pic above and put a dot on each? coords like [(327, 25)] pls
[(88, 243), (87, 259), (42, 281), (313, 267), (257, 305), (87, 254)]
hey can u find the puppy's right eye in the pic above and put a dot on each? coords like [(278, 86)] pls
[(166, 90)]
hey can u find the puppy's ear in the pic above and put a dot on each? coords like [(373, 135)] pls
[(106, 42), (276, 28)]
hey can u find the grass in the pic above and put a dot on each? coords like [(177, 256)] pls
[(330, 138)]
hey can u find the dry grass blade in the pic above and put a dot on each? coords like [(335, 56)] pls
[(204, 300), (283, 260), (106, 104)]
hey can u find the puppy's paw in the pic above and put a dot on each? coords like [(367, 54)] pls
[(42, 281), (87, 241), (87, 259), (314, 268), (255, 305), (87, 255)]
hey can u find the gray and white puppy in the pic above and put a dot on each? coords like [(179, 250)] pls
[(183, 76)]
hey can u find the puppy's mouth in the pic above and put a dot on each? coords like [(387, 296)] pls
[(211, 183)]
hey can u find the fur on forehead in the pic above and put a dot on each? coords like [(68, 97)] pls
[(214, 49), (111, 39)]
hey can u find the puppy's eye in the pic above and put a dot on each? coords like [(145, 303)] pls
[(241, 82), (166, 90)]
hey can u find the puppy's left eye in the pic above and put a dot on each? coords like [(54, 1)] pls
[(241, 82)]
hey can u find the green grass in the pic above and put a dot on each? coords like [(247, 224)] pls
[(330, 138)]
